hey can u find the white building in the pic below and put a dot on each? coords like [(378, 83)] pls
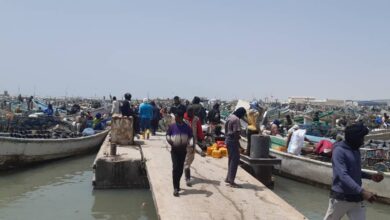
[(314, 101), (300, 100)]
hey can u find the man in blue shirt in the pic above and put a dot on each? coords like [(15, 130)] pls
[(146, 115), (347, 194)]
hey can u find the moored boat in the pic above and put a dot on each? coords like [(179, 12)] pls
[(316, 171), (15, 152), (379, 134)]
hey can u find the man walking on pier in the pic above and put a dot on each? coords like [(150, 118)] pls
[(199, 110), (233, 130), (127, 110), (156, 117), (194, 122), (146, 115), (347, 194), (177, 106), (179, 136), (115, 106)]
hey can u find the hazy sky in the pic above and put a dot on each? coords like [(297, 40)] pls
[(226, 49)]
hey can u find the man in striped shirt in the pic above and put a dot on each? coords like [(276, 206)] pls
[(179, 136)]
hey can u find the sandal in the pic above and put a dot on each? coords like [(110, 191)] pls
[(235, 185)]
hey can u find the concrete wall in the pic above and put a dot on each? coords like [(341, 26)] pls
[(126, 170)]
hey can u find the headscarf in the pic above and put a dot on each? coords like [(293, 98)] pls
[(254, 105), (240, 112), (127, 96), (354, 135), (276, 122), (196, 100)]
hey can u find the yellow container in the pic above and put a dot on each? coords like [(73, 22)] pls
[(280, 148), (147, 134), (210, 150), (223, 151), (216, 154)]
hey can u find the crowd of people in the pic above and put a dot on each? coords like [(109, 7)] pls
[(184, 134), (183, 126), (151, 116)]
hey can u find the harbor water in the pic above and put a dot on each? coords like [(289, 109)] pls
[(313, 201), (62, 190)]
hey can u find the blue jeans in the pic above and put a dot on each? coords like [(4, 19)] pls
[(145, 124)]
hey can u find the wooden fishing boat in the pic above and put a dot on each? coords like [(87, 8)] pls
[(316, 171), (15, 152), (379, 134), (313, 170)]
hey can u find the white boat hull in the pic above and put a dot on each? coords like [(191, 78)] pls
[(313, 171), (383, 135), (18, 151)]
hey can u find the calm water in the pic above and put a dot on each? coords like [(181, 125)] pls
[(62, 190), (313, 201)]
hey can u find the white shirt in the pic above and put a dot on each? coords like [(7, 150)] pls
[(115, 107)]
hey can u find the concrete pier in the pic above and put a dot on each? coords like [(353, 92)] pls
[(209, 197), (123, 170)]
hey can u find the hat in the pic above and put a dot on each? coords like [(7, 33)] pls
[(240, 112), (145, 100), (127, 96), (253, 105)]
